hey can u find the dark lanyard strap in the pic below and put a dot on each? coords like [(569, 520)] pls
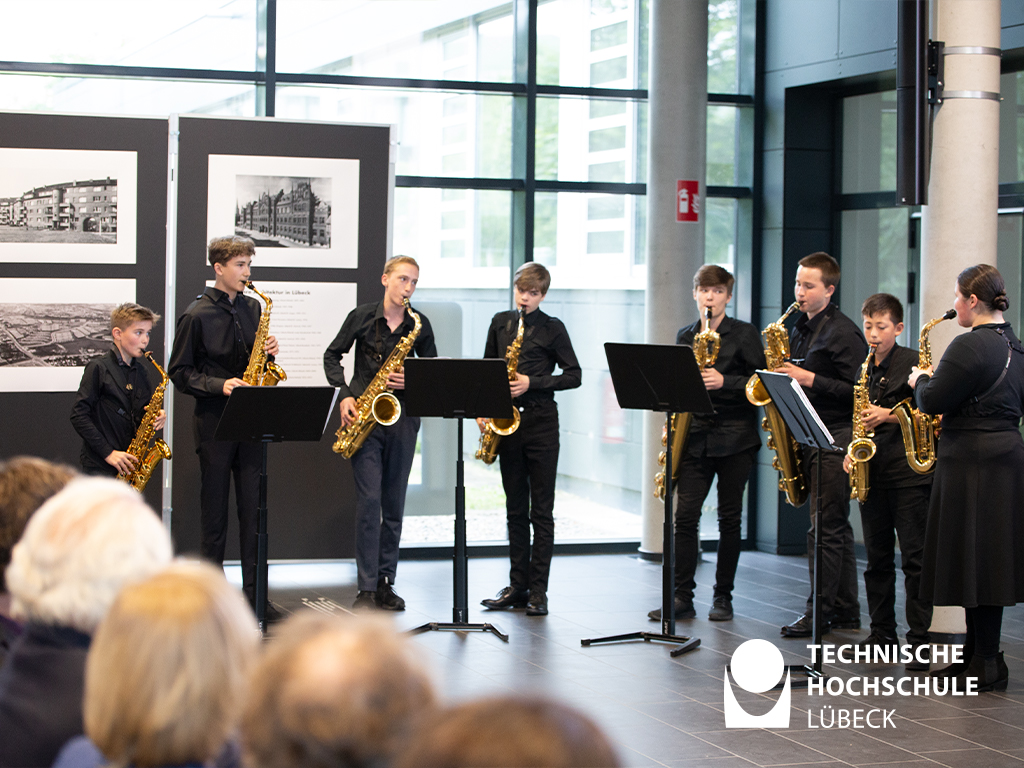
[(1002, 375)]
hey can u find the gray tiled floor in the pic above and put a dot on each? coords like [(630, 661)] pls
[(665, 711)]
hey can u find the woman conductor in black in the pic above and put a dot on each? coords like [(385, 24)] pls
[(974, 544)]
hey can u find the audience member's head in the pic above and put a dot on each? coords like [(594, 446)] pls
[(507, 732), (79, 549), (333, 692), (25, 483), (168, 668)]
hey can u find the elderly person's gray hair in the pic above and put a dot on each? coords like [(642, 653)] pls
[(79, 549)]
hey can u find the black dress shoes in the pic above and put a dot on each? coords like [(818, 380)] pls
[(509, 597), (921, 660), (803, 627), (683, 609), (366, 600), (386, 597), (537, 605)]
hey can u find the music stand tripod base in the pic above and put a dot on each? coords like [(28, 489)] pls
[(458, 626), (686, 644), (807, 671)]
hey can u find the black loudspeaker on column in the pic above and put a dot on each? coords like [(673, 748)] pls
[(912, 110)]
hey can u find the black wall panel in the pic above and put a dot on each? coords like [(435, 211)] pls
[(311, 506), (38, 423)]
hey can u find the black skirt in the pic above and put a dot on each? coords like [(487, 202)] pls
[(974, 548)]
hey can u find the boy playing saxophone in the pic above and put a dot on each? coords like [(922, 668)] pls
[(529, 457), (381, 466), (897, 500), (212, 345), (115, 391)]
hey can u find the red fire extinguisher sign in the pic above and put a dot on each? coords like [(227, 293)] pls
[(687, 200)]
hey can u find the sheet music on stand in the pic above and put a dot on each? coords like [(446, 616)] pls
[(796, 410)]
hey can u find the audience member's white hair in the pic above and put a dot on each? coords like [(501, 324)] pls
[(80, 548)]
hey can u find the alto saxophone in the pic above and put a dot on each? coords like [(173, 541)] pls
[(495, 429), (377, 404), (862, 448), (780, 439), (705, 349), (148, 457), (260, 372), (919, 429)]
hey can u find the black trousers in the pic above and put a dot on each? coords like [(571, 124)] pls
[(529, 466), (695, 476), (219, 462), (838, 563), (380, 469), (886, 514)]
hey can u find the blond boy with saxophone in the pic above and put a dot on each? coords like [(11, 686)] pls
[(115, 391)]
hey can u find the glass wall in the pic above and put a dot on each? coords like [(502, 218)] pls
[(452, 76)]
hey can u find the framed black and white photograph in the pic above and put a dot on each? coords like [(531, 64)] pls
[(300, 211), (50, 328), (68, 206)]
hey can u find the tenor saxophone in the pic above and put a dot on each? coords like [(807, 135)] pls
[(705, 349), (919, 429), (377, 404), (261, 372), (780, 439), (148, 457), (862, 448), (495, 429)]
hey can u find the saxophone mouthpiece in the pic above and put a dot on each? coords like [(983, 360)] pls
[(950, 314)]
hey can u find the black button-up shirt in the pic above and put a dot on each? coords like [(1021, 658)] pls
[(545, 344), (110, 405), (832, 346), (212, 343), (368, 329), (887, 386), (733, 427)]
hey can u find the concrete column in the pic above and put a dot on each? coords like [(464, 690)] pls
[(677, 139), (958, 225)]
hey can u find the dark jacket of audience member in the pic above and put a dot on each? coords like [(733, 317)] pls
[(509, 732), (166, 674), (76, 553), (25, 483)]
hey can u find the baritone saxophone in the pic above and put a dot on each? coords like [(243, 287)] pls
[(705, 349), (261, 372), (148, 456), (780, 439), (377, 404), (862, 448), (495, 429), (920, 430)]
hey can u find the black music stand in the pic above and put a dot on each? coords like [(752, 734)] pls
[(807, 429), (272, 415), (458, 389), (663, 378)]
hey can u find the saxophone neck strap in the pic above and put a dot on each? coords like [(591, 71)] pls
[(1002, 374)]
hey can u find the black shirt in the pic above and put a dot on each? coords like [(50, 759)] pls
[(367, 327), (961, 387), (833, 348), (110, 405), (887, 386), (212, 343), (545, 344), (733, 427)]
